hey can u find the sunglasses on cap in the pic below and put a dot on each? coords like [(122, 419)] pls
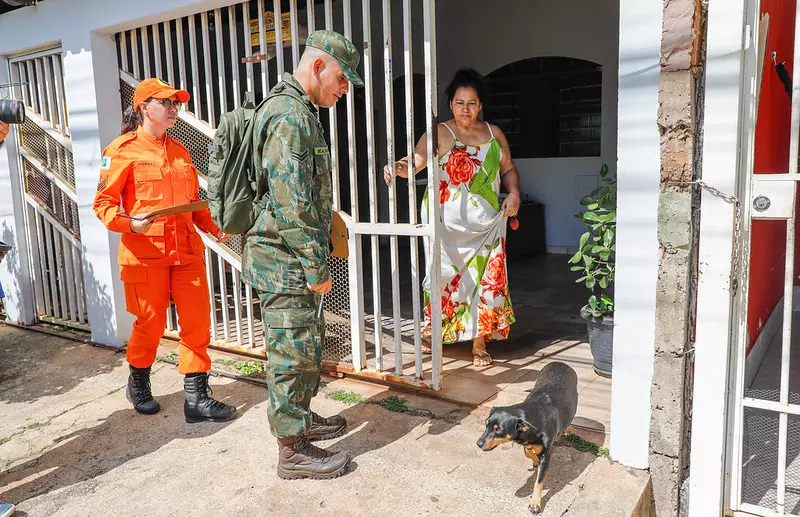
[(168, 103)]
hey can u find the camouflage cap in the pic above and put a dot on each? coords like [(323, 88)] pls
[(341, 48)]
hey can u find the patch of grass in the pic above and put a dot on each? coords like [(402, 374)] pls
[(172, 356), (348, 397), (395, 403), (246, 368), (4, 439), (585, 445), (400, 405), (35, 425)]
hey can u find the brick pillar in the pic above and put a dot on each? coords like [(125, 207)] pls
[(677, 238)]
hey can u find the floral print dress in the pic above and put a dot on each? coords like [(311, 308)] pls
[(475, 296)]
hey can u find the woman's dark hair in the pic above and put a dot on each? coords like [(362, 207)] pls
[(465, 77), (130, 120)]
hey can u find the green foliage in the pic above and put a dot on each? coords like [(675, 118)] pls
[(595, 258)]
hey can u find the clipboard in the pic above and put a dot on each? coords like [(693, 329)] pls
[(170, 210)]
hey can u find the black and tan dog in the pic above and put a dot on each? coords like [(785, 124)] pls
[(537, 422)]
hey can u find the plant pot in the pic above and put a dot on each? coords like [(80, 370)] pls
[(601, 341)]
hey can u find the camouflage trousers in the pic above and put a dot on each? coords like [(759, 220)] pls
[(293, 335)]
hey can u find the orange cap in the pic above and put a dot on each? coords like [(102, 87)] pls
[(157, 89)]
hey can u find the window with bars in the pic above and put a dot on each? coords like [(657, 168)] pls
[(548, 107)]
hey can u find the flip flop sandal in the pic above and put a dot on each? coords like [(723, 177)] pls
[(480, 356)]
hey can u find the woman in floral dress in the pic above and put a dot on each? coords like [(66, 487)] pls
[(474, 160)]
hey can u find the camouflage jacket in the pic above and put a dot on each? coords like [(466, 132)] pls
[(289, 244)]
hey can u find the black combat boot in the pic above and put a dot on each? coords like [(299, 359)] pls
[(299, 459), (138, 392), (326, 428), (199, 407)]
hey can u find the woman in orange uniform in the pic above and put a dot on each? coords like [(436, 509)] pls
[(144, 170)]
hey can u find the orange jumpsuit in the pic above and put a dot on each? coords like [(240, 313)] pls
[(141, 173)]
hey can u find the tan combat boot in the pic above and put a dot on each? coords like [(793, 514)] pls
[(326, 428), (299, 459)]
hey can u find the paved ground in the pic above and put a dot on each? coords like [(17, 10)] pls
[(71, 445)]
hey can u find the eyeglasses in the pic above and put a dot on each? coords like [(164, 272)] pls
[(168, 103)]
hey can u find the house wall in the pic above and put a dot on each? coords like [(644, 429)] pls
[(470, 34), (518, 31)]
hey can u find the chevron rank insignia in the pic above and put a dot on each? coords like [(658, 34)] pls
[(299, 156)]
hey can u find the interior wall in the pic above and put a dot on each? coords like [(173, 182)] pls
[(470, 34)]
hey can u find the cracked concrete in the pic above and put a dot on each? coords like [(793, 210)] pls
[(71, 445)]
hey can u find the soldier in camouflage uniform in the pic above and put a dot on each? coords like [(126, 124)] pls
[(286, 254)]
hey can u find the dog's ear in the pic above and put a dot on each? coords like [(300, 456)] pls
[(522, 426)]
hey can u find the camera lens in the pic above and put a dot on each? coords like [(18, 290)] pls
[(12, 112)]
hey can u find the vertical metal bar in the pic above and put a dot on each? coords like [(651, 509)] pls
[(237, 305), (58, 244), (157, 51), (248, 293), (234, 56), (211, 295), (52, 275), (262, 48), (80, 290), (212, 116), (69, 277), (32, 83), (788, 293), (136, 72), (408, 66), (182, 77), (49, 84), (311, 16), (146, 53), (293, 33), (335, 189), (279, 39), (432, 108), (169, 52), (355, 270), (123, 51), (373, 189), (42, 246), (16, 91), (194, 65), (223, 91), (25, 89), (393, 243), (36, 264), (61, 103), (223, 292), (41, 79), (248, 46), (351, 125)]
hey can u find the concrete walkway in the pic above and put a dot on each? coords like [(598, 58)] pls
[(71, 445)]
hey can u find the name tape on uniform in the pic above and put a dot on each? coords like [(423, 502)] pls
[(321, 151)]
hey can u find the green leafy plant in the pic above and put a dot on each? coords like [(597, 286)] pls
[(595, 258), (348, 397)]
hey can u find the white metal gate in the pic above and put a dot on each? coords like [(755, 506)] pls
[(764, 438), (52, 227), (221, 56)]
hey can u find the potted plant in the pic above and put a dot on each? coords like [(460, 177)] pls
[(594, 260)]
